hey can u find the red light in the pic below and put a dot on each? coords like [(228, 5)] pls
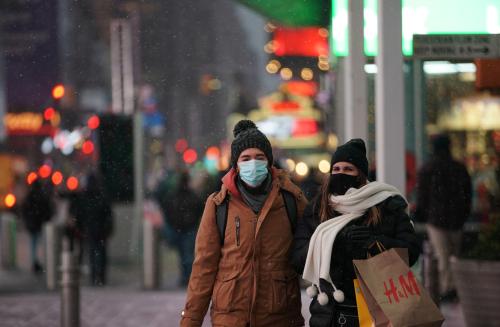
[(10, 200), (44, 171), (305, 127), (302, 88), (31, 178), (58, 91), (72, 183), (189, 156), (88, 147), (286, 106), (49, 113), (93, 122), (57, 178), (305, 41), (213, 152), (181, 145)]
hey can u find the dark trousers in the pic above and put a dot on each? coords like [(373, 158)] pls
[(97, 261), (183, 242)]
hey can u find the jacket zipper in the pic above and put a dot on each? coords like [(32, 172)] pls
[(237, 230)]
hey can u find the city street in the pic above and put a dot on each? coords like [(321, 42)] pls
[(120, 307), (24, 300)]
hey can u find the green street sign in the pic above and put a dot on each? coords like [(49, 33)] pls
[(419, 17)]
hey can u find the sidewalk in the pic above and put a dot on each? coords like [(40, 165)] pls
[(24, 300)]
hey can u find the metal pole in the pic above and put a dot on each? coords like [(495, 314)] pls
[(8, 248), (151, 256), (418, 109), (389, 96), (138, 131), (356, 112), (52, 250), (70, 288)]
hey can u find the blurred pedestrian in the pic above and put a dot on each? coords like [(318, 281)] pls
[(243, 243), (444, 204), (182, 210), (346, 218), (37, 209), (311, 184), (95, 210)]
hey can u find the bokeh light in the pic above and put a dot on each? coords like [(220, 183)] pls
[(58, 91), (189, 156), (93, 122), (72, 183), (10, 200), (324, 166), (32, 176), (57, 178), (44, 171), (301, 169)]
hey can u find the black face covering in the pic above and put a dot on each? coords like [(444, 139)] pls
[(340, 183)]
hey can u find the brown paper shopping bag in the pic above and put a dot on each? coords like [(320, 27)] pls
[(394, 288)]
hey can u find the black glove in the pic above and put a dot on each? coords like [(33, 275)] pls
[(358, 238)]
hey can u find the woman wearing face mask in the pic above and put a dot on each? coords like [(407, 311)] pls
[(348, 216), (246, 273)]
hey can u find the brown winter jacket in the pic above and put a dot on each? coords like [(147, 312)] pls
[(249, 278)]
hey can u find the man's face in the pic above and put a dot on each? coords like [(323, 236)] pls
[(252, 154)]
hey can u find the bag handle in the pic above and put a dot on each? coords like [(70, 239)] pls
[(381, 248)]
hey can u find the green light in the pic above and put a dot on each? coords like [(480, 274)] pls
[(419, 17)]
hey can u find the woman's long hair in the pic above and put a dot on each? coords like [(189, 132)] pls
[(326, 211)]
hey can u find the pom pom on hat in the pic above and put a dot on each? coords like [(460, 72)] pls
[(243, 125), (246, 136)]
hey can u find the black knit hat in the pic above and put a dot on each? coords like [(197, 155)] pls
[(246, 135), (353, 152)]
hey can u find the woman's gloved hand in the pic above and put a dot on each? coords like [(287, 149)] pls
[(358, 239)]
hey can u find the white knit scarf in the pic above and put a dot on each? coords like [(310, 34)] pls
[(352, 205)]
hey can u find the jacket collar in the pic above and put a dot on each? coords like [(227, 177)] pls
[(279, 176)]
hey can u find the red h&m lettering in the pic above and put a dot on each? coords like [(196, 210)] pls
[(392, 291), (409, 285)]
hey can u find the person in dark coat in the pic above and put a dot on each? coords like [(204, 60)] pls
[(444, 195), (98, 226), (347, 201), (37, 209), (182, 210)]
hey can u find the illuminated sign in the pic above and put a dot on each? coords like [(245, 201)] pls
[(289, 120), (305, 41), (419, 17), (29, 123)]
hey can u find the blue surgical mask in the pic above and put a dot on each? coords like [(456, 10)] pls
[(253, 172)]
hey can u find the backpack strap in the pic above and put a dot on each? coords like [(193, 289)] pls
[(291, 208), (221, 211)]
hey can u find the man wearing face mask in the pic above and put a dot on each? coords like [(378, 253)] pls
[(357, 213), (243, 268)]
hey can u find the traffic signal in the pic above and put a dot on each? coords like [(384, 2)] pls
[(116, 156)]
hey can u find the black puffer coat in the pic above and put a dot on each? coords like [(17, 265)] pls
[(394, 231)]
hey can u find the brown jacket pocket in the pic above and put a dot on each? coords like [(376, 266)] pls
[(223, 293), (284, 289)]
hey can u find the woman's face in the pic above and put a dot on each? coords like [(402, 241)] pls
[(346, 168)]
